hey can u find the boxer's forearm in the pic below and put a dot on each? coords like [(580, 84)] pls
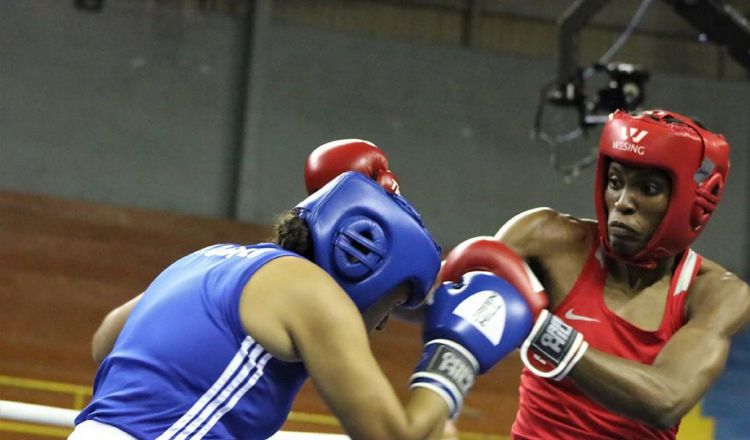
[(693, 358), (663, 392), (629, 388)]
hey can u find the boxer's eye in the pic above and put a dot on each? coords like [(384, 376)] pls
[(614, 182)]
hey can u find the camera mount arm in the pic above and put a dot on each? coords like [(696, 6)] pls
[(721, 23)]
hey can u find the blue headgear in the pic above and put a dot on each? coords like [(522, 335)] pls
[(369, 241)]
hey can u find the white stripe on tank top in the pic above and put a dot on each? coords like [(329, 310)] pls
[(220, 397)]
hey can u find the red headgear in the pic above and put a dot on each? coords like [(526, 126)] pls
[(696, 160)]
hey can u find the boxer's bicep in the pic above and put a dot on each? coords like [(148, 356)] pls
[(330, 336), (690, 362), (354, 387), (695, 356)]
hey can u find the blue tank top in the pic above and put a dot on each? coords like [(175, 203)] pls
[(183, 365)]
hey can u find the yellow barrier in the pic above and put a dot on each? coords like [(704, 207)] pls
[(79, 392), (28, 428), (696, 426)]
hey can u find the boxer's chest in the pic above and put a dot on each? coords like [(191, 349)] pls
[(644, 308)]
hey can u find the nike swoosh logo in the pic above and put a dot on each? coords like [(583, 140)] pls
[(573, 317)]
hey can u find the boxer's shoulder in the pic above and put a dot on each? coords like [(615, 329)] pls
[(712, 277), (714, 286), (542, 231)]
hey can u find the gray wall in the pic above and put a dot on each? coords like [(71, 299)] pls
[(131, 106), (139, 107)]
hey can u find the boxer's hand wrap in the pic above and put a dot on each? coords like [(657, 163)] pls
[(552, 348), (333, 158), (469, 327), (449, 370)]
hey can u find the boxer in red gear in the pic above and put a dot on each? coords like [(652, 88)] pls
[(657, 317)]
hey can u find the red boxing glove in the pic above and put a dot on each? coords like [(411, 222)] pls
[(336, 157), (488, 254)]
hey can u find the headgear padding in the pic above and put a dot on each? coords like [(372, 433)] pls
[(696, 160), (369, 241)]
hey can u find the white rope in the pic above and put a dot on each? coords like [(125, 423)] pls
[(40, 414), (288, 435), (50, 415)]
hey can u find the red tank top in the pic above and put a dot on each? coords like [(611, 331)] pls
[(559, 410)]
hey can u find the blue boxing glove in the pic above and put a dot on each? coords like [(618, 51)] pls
[(469, 327)]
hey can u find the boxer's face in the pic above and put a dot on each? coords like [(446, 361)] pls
[(376, 315), (636, 200)]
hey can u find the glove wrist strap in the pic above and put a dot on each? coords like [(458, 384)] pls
[(552, 348), (447, 369)]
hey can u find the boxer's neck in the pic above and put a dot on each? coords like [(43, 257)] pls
[(637, 278)]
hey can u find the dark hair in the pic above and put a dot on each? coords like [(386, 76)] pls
[(292, 234)]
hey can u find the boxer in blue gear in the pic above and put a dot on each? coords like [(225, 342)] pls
[(219, 344)]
